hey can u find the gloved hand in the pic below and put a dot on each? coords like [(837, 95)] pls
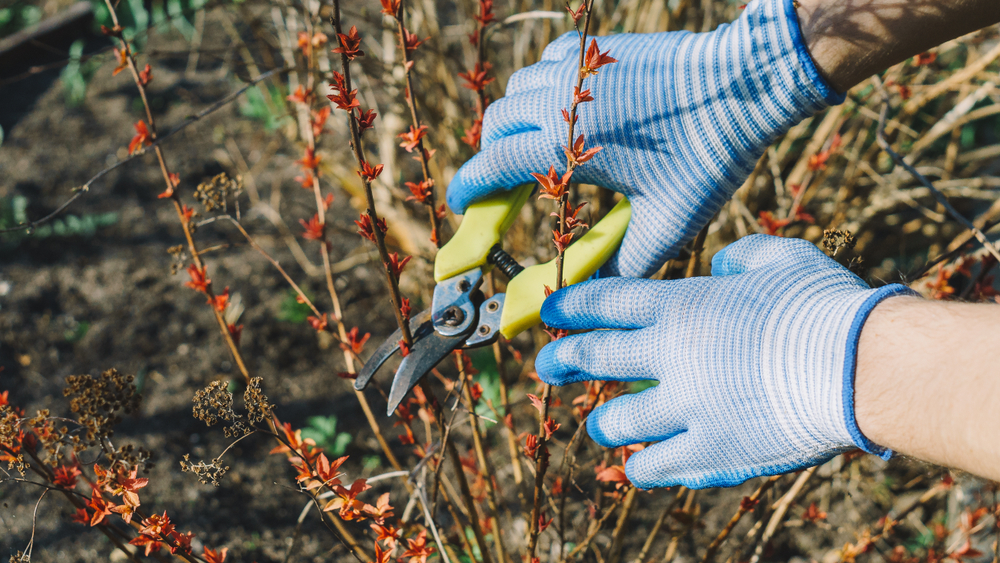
[(682, 118), (755, 364)]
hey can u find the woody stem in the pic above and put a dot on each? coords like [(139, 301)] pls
[(411, 103), (358, 149)]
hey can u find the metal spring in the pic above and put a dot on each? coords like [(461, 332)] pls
[(504, 262)]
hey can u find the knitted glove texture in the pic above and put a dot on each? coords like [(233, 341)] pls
[(682, 117), (755, 364)]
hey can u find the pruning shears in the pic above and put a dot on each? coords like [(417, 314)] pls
[(461, 316)]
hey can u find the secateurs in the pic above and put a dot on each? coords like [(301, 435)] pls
[(461, 316)]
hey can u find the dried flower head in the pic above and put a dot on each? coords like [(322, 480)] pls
[(214, 193), (99, 401)]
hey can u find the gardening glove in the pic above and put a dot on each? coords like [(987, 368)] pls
[(755, 364), (682, 117)]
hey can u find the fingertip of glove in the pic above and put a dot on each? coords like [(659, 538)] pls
[(457, 196), (551, 311), (596, 432), (546, 364)]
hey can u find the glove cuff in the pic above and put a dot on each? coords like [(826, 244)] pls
[(851, 360), (778, 49)]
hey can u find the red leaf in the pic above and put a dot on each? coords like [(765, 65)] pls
[(390, 7), (314, 230), (614, 474), (141, 137), (473, 134), (552, 185), (122, 57), (421, 191), (369, 173), (396, 265), (595, 59), (550, 427), (366, 119), (485, 12), (536, 402), (477, 79), (318, 323), (213, 556), (300, 96), (319, 120), (364, 224), (412, 137), (411, 41), (198, 280), (350, 44), (310, 160), (561, 241), (146, 75)]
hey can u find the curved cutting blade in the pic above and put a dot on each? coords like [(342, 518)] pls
[(420, 325), (426, 354)]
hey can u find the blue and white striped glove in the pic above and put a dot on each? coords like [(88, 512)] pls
[(755, 364), (682, 117)]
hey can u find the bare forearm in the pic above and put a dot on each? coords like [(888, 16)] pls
[(928, 382), (853, 39)]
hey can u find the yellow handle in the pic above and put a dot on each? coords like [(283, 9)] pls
[(483, 225), (526, 292)]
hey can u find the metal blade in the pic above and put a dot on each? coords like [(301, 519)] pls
[(425, 355), (420, 325)]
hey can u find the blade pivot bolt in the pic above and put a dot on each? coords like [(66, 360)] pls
[(453, 316)]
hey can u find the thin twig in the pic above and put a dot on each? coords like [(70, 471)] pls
[(940, 197), (748, 504), (780, 509), (79, 191)]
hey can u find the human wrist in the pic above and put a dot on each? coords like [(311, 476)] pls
[(926, 384), (848, 45), (873, 302)]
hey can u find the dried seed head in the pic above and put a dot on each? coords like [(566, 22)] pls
[(99, 401), (835, 240), (206, 472), (256, 402), (214, 194)]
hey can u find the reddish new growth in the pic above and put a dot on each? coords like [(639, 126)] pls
[(350, 44), (367, 119), (318, 323), (390, 7), (199, 281), (364, 224), (477, 78), (552, 185), (313, 228), (576, 155), (310, 160), (355, 341), (412, 137), (345, 99), (146, 75), (396, 264), (368, 172), (421, 191), (301, 96), (411, 42), (141, 138), (221, 301), (595, 59), (307, 43)]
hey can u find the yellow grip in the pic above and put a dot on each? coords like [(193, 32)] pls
[(526, 292), (483, 225)]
